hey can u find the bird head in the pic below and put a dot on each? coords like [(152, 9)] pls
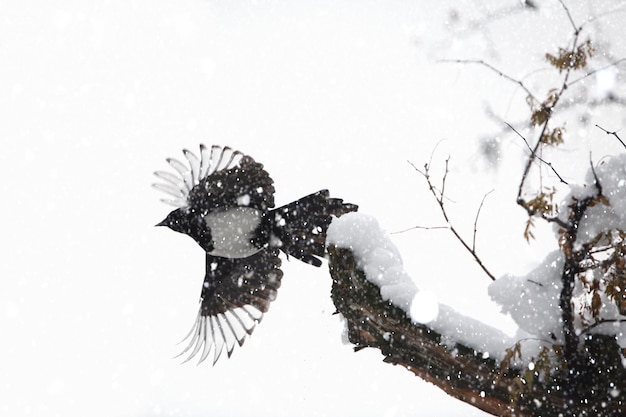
[(191, 223)]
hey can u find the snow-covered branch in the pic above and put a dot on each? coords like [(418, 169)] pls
[(474, 362), (384, 309)]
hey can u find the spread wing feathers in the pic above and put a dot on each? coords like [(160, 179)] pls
[(235, 294), (246, 184), (300, 227), (221, 177), (212, 160)]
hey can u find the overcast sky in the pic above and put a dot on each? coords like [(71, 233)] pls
[(95, 95)]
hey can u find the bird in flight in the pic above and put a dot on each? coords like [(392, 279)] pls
[(225, 202)]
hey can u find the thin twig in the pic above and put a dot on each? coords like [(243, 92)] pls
[(614, 133), (604, 321), (590, 73), (494, 69), (443, 182), (520, 135), (419, 227), (571, 19), (596, 180), (439, 197), (476, 219), (549, 164)]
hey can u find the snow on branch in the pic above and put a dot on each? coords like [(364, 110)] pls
[(384, 309), (469, 360), (381, 263)]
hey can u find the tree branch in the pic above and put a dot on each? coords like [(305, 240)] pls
[(590, 73), (476, 220), (420, 227), (549, 164), (612, 133), (598, 388), (467, 374), (458, 370), (494, 69), (439, 197), (569, 16)]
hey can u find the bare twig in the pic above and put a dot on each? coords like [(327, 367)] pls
[(520, 135), (614, 133), (571, 19), (439, 197), (424, 174), (596, 180), (590, 73), (420, 228), (443, 182), (601, 322), (549, 164), (476, 219), (494, 69)]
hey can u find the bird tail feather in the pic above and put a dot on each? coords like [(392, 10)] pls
[(299, 228)]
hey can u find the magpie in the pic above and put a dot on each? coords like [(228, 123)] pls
[(224, 201)]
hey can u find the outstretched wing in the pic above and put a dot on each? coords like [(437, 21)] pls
[(235, 294), (221, 177)]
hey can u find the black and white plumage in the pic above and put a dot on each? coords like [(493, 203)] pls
[(225, 202)]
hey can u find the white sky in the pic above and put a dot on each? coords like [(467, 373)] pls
[(94, 95)]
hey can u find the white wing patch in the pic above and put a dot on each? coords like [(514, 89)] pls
[(220, 331), (217, 158)]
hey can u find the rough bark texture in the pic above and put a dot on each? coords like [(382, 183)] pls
[(465, 374)]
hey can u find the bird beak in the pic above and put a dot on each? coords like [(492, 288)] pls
[(162, 223)]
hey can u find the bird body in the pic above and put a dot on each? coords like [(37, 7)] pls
[(234, 230), (225, 202)]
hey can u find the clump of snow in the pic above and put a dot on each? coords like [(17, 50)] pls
[(611, 173), (457, 328), (605, 81), (376, 255), (532, 300), (243, 200), (425, 307), (379, 258)]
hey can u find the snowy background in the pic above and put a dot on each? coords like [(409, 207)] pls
[(338, 95)]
